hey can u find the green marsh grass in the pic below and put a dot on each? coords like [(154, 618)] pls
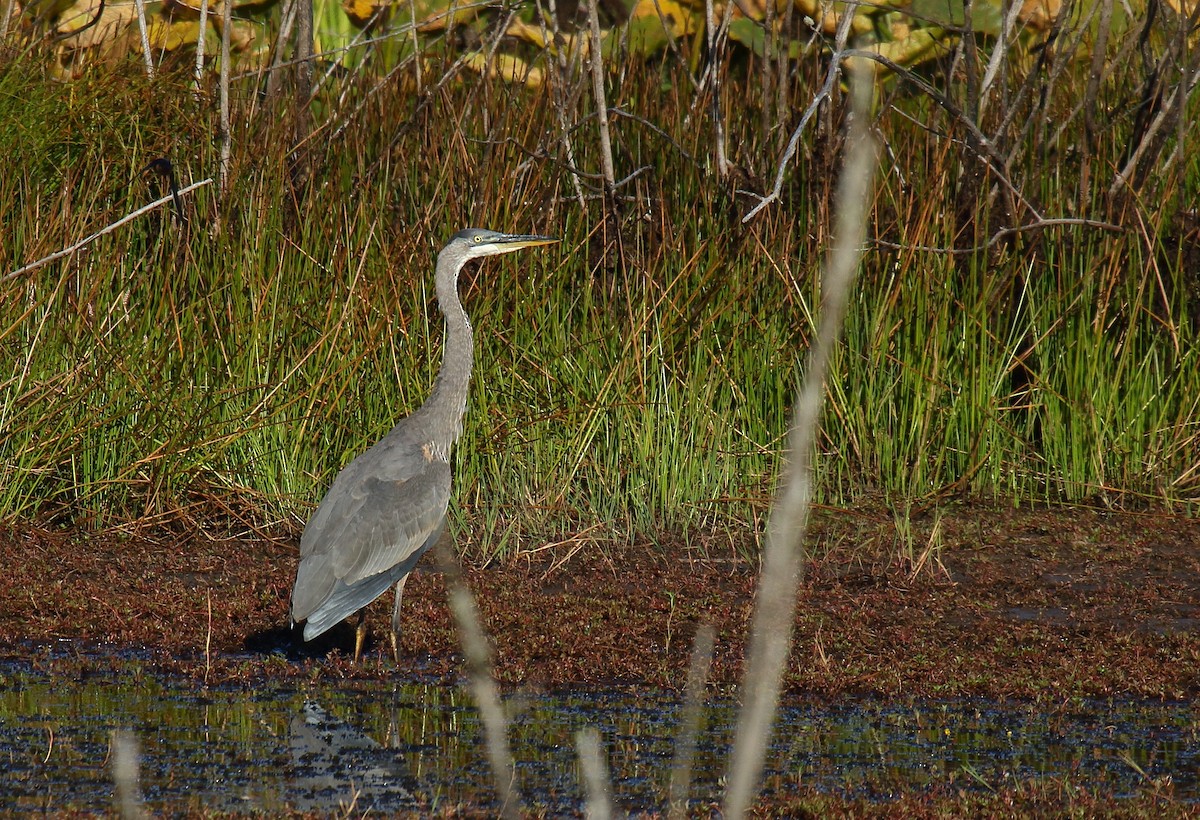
[(172, 371)]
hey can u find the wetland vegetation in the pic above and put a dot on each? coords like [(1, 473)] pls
[(1020, 334), (1009, 465)]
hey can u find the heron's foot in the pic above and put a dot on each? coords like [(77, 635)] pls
[(360, 637), (395, 636)]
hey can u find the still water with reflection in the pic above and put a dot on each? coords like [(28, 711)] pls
[(409, 745)]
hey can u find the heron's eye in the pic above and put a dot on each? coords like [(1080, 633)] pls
[(478, 238)]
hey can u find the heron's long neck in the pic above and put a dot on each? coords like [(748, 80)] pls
[(445, 406)]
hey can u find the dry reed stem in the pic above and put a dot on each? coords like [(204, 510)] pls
[(126, 752), (775, 608), (689, 722), (482, 683), (596, 783)]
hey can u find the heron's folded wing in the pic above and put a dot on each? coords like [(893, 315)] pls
[(384, 523), (341, 601)]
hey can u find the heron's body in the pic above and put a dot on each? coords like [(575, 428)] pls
[(388, 506)]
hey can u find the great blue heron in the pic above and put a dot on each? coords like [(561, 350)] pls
[(388, 506)]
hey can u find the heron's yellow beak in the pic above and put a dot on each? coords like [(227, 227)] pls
[(516, 241)]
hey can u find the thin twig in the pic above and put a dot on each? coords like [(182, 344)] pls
[(430, 95), (158, 203), (831, 76), (783, 560), (359, 39), (621, 112), (145, 35), (597, 63), (680, 60)]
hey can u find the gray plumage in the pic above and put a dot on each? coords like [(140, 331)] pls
[(388, 506)]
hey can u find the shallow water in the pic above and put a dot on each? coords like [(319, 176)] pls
[(412, 745)]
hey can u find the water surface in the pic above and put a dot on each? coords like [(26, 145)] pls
[(410, 745)]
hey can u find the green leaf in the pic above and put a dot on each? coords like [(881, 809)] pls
[(986, 15), (749, 33)]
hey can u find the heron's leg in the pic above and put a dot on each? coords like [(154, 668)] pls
[(360, 633), (396, 619)]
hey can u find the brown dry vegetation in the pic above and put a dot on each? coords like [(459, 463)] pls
[(1046, 604)]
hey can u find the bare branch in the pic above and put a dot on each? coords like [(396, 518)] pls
[(606, 160), (200, 35), (826, 92), (6, 18), (226, 136), (145, 35), (158, 203), (979, 141), (714, 72)]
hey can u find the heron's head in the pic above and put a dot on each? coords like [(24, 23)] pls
[(473, 243)]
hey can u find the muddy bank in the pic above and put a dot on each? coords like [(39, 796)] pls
[(1045, 604)]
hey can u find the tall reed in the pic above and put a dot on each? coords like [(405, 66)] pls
[(166, 371)]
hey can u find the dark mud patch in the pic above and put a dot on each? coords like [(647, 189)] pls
[(979, 602)]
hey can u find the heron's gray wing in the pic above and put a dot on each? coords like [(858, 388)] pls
[(398, 457), (393, 522), (365, 526), (343, 601)]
